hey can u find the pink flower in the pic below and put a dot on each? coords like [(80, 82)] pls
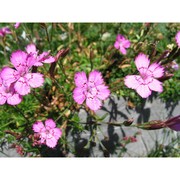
[(4, 31), (178, 38), (48, 133), (91, 89), (21, 77), (145, 83), (8, 93), (122, 43), (17, 25), (42, 58)]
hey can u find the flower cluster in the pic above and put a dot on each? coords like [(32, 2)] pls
[(92, 89), (17, 81), (49, 134)]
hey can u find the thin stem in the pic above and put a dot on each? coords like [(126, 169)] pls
[(7, 124), (19, 110), (47, 34)]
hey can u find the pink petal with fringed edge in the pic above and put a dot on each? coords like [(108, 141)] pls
[(132, 81), (157, 70), (116, 45), (56, 132), (38, 64), (156, 85), (142, 61), (49, 59), (38, 127), (51, 142), (49, 123), (3, 98), (126, 43), (103, 92), (34, 79), (119, 37), (95, 78), (45, 58), (80, 79), (93, 103), (78, 95), (143, 91), (14, 99), (122, 50), (22, 87), (9, 75), (19, 60), (31, 48), (31, 61)]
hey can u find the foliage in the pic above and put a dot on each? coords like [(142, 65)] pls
[(88, 46)]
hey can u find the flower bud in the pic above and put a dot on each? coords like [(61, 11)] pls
[(173, 123), (152, 125)]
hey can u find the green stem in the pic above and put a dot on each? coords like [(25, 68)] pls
[(7, 124), (19, 110)]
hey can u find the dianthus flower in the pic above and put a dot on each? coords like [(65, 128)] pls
[(41, 58), (122, 43), (92, 89), (145, 83), (4, 31), (21, 77), (17, 25), (49, 134), (177, 37)]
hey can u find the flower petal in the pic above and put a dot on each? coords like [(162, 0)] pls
[(9, 75), (103, 92), (3, 98), (126, 43), (155, 85), (38, 127), (22, 87), (19, 60), (38, 64), (80, 79), (143, 90), (14, 99), (116, 45), (45, 58), (56, 132), (132, 81), (51, 142), (178, 38), (50, 124), (34, 79), (142, 61), (31, 48), (122, 50), (93, 102), (95, 78), (79, 95), (157, 70)]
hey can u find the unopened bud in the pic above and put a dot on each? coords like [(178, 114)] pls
[(152, 125), (173, 123)]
